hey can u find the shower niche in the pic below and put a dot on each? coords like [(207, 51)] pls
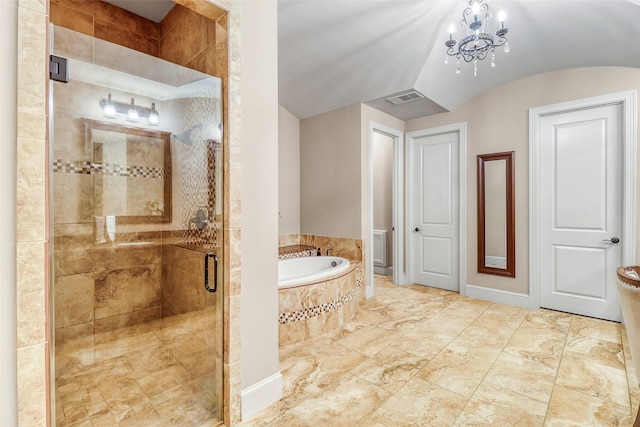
[(137, 333)]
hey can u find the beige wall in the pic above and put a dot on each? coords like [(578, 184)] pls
[(259, 334), (288, 173), (8, 43), (330, 173), (498, 121)]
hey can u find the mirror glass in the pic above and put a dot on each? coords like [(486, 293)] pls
[(133, 179), (496, 232)]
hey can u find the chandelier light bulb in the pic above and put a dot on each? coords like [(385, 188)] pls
[(475, 8), (446, 59), (506, 47), (501, 17), (452, 29)]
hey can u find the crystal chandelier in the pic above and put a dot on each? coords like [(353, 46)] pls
[(478, 43)]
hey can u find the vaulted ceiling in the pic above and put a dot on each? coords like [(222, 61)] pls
[(334, 53)]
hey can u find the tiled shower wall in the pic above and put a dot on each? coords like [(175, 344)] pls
[(32, 231)]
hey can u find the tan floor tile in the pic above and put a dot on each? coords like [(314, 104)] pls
[(420, 403), (548, 320), (369, 341), (491, 405), (424, 341), (532, 379), (537, 345), (594, 379), (390, 369), (479, 342), (604, 352), (596, 328), (459, 373), (572, 408), (447, 323), (345, 402)]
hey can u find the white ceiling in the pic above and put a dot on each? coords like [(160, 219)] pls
[(334, 53)]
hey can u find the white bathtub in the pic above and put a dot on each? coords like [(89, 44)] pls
[(295, 271)]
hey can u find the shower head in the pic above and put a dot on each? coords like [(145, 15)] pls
[(185, 137)]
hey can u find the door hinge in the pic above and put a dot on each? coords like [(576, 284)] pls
[(59, 69)]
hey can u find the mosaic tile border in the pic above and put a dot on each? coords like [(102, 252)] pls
[(308, 313), (83, 167)]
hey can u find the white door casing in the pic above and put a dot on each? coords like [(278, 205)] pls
[(582, 195), (434, 227)]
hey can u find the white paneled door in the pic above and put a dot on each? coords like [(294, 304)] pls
[(434, 225), (581, 185)]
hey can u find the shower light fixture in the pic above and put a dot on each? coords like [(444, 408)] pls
[(110, 110), (132, 114), (154, 118)]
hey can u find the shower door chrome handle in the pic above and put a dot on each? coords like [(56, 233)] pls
[(215, 272)]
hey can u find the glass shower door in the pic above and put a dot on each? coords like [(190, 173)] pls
[(136, 209)]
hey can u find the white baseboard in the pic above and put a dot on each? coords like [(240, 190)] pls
[(384, 271), (261, 394), (499, 296)]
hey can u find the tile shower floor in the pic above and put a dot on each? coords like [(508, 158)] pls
[(418, 356), (153, 374)]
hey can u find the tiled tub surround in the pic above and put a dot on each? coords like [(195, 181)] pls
[(350, 249), (309, 310)]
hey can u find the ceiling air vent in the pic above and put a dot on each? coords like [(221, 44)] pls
[(405, 97)]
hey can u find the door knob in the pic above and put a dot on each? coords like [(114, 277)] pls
[(416, 229), (613, 240)]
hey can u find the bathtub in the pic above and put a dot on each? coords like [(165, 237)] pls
[(315, 297), (297, 271)]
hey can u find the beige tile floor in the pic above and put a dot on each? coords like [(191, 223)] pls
[(418, 356), (155, 374)]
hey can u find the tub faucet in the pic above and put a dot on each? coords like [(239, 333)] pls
[(329, 250)]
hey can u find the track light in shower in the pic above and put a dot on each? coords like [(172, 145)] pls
[(154, 118), (132, 114), (110, 110)]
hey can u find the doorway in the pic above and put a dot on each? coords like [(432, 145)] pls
[(136, 211), (583, 203), (436, 229), (391, 217)]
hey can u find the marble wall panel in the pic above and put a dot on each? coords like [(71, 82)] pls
[(31, 313), (74, 296), (185, 40), (127, 290), (112, 258), (114, 323)]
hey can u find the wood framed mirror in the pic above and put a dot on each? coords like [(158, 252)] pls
[(132, 172), (496, 214)]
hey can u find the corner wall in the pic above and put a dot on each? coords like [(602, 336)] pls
[(330, 173), (8, 43), (261, 381), (288, 173)]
